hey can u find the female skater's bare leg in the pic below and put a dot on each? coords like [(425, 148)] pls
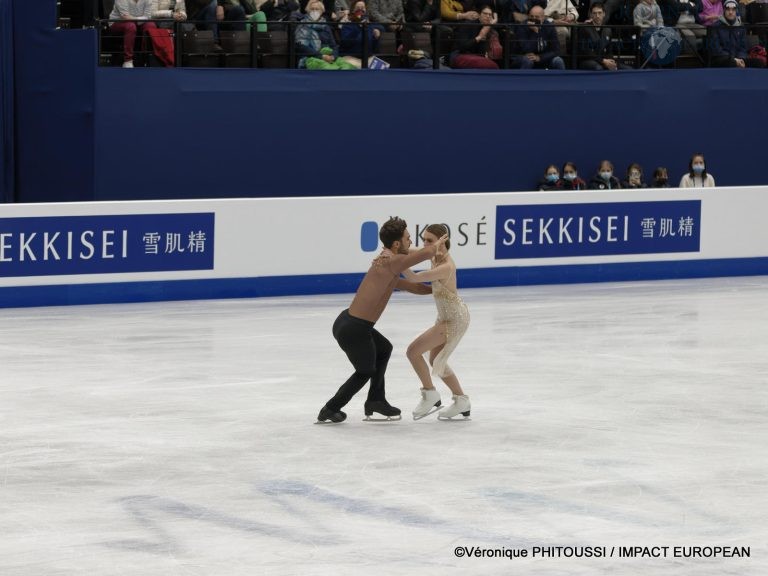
[(430, 339), (430, 398)]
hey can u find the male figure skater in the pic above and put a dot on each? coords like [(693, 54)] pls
[(366, 348)]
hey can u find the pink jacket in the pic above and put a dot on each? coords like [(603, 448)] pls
[(711, 10)]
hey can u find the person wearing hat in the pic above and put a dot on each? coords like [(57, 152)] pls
[(728, 48)]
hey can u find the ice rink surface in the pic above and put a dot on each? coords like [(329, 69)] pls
[(177, 438)]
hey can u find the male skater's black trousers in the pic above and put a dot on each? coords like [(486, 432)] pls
[(369, 353)]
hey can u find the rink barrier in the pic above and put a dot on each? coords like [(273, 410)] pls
[(132, 292)]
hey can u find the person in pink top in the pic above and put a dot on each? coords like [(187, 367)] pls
[(711, 11)]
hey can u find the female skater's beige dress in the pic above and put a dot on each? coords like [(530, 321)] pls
[(451, 310)]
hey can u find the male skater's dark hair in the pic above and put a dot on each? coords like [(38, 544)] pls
[(392, 230)]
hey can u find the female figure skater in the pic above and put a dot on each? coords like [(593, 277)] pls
[(441, 339)]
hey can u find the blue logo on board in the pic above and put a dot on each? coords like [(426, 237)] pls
[(369, 236), (67, 245), (597, 229)]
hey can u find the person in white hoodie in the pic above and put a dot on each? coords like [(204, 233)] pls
[(133, 16)]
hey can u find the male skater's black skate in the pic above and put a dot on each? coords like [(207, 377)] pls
[(381, 407), (327, 416)]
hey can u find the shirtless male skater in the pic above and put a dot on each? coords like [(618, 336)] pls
[(366, 348)]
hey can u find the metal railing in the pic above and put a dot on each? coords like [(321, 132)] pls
[(215, 52)]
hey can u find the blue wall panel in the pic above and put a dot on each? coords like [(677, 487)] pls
[(6, 102), (215, 133), (54, 106)]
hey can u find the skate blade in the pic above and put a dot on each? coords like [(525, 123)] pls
[(435, 409), (453, 418), (328, 423), (387, 419)]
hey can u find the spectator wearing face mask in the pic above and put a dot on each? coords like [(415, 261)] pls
[(570, 179), (550, 180), (634, 177), (351, 42), (697, 176), (604, 179), (314, 33), (660, 178)]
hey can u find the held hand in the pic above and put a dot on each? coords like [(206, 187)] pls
[(440, 242)]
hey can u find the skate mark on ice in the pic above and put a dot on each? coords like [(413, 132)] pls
[(393, 514), (147, 510)]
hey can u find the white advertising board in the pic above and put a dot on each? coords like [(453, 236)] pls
[(271, 245)]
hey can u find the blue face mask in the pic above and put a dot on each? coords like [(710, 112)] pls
[(570, 175), (606, 175), (698, 168), (552, 178)]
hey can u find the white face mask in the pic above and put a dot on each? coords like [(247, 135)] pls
[(315, 14)]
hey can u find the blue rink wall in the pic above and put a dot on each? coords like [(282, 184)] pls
[(85, 133)]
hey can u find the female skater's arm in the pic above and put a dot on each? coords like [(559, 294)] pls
[(413, 287), (409, 274), (440, 272), (400, 262)]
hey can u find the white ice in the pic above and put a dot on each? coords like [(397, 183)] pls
[(179, 438)]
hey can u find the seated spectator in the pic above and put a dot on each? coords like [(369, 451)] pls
[(647, 14), (351, 42), (478, 45), (314, 33), (421, 15), (615, 11), (280, 11), (604, 179), (517, 11), (710, 11), (634, 177), (728, 42), (660, 178), (550, 180), (203, 14), (697, 176), (340, 10), (453, 10), (169, 9), (561, 14), (681, 14), (595, 47), (236, 12), (570, 179), (136, 15), (389, 13), (536, 45)]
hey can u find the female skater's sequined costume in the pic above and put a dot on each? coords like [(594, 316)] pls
[(451, 310)]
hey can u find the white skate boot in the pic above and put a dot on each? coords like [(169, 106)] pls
[(430, 402), (461, 405)]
